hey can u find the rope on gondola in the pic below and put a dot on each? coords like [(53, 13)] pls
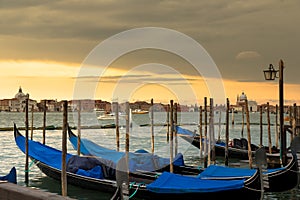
[(30, 165), (257, 190), (297, 172), (138, 186)]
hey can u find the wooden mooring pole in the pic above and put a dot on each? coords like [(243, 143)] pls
[(127, 110), (175, 128), (64, 150), (168, 122), (200, 132), (248, 134), (297, 120), (269, 128), (152, 126), (294, 120), (31, 136), (117, 126), (44, 122), (171, 135), (79, 127), (205, 133), (232, 116), (243, 121), (276, 128), (26, 142), (227, 132), (291, 111), (261, 127), (212, 133)]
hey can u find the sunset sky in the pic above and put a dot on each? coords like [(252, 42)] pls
[(51, 47)]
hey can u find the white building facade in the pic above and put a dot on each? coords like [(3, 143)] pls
[(240, 103), (18, 103)]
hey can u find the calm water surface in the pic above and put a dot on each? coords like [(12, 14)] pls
[(140, 137)]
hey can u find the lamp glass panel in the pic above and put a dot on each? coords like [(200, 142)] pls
[(270, 74)]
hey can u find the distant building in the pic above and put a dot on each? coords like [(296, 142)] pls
[(18, 103), (159, 107), (5, 105), (51, 105), (240, 100), (252, 106), (104, 105), (87, 105), (143, 105), (240, 103)]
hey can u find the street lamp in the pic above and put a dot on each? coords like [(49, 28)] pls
[(270, 74)]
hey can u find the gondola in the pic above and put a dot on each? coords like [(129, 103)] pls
[(166, 185), (11, 177), (237, 149), (273, 177)]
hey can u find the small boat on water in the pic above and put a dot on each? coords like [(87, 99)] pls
[(139, 111), (11, 177), (110, 116), (107, 117), (98, 175)]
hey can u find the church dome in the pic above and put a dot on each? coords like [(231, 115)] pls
[(243, 97), (20, 94)]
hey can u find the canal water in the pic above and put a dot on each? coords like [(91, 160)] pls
[(140, 138)]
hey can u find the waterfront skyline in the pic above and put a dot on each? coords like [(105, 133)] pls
[(18, 101), (43, 48)]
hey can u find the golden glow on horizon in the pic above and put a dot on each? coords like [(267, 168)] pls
[(41, 79), (159, 93), (139, 85), (51, 80), (37, 68), (262, 92)]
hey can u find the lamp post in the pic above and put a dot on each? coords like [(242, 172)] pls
[(270, 74)]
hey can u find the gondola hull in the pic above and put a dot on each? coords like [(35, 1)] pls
[(274, 177), (284, 179), (109, 186)]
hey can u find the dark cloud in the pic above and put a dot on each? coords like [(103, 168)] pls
[(68, 30), (137, 79), (15, 4), (114, 78)]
